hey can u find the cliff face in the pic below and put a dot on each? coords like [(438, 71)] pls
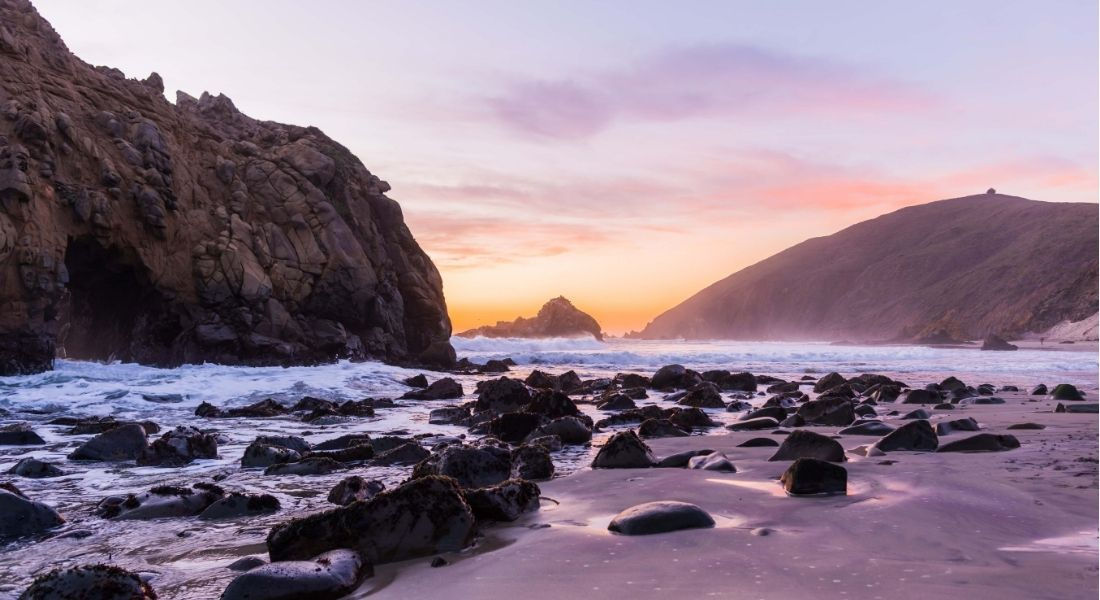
[(139, 230), (556, 318), (967, 267)]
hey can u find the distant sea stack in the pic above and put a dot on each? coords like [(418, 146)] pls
[(139, 230), (959, 269), (556, 318)]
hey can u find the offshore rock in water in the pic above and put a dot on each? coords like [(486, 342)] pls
[(354, 488), (32, 468), (505, 501), (470, 467), (419, 518), (557, 318), (20, 516), (179, 447), (161, 502), (19, 434), (127, 442), (89, 582)]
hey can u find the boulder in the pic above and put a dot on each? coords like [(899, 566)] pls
[(421, 517), (160, 502), (808, 444), (660, 517), (513, 427), (965, 424), (703, 395), (552, 405), (951, 384), (257, 410), (408, 453), (671, 377), (759, 442), (179, 447), (921, 397), (440, 389), (351, 489), (20, 516), (506, 501), (829, 381), (624, 450), (616, 401), (19, 434), (32, 468), (503, 395), (532, 462), (313, 465), (1039, 390), (689, 418), (570, 430), (121, 443), (875, 428), (753, 424), (656, 428), (237, 505), (470, 467), (915, 435), (982, 442), (886, 393), (1076, 408), (448, 416), (342, 442), (330, 575), (89, 582), (681, 459), (835, 411), (259, 454), (1026, 426), (1065, 391), (811, 477), (994, 342), (776, 412), (416, 381), (299, 444), (920, 413), (715, 461)]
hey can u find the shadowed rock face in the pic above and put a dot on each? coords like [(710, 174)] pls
[(556, 318), (955, 269), (135, 229)]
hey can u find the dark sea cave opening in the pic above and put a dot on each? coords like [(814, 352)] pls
[(109, 306)]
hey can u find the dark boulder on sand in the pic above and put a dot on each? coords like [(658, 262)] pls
[(915, 435), (624, 450), (810, 476), (505, 501), (513, 427), (440, 389), (552, 404), (421, 517), (776, 412), (20, 516), (715, 461), (571, 430), (89, 582), (876, 428), (1026, 426), (330, 575), (829, 381), (616, 401), (354, 488), (753, 424), (658, 428), (1065, 391), (681, 459), (836, 411), (32, 468), (121, 443), (759, 442), (1076, 408), (660, 517), (920, 413), (808, 444), (921, 397), (532, 462), (965, 424), (982, 442), (1039, 390), (703, 395)]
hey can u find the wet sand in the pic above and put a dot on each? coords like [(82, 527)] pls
[(1016, 524)]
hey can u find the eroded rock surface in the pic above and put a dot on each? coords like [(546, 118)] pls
[(136, 229)]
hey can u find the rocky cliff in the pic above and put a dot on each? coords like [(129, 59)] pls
[(961, 268), (139, 230), (556, 318)]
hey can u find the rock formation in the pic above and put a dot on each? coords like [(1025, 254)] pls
[(956, 269), (139, 230), (556, 318)]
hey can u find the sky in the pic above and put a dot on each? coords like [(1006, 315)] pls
[(628, 154)]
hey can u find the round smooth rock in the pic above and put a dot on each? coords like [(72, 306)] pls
[(660, 517)]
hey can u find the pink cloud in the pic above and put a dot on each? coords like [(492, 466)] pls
[(693, 82)]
